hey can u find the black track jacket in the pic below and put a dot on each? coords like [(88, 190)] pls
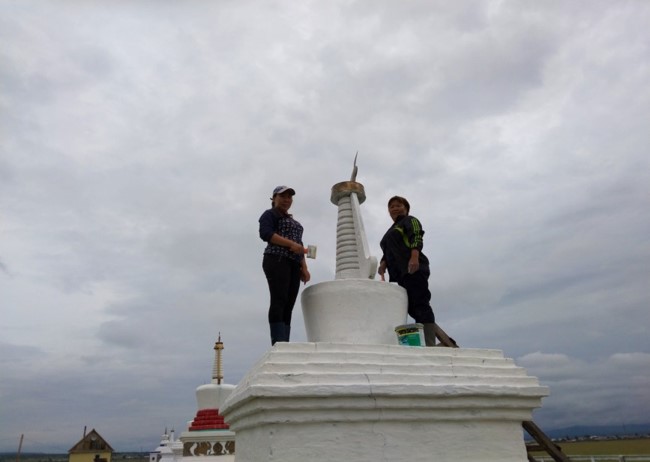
[(403, 236)]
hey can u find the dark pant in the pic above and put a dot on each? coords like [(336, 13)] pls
[(419, 296), (283, 277)]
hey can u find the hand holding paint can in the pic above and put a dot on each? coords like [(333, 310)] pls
[(310, 251)]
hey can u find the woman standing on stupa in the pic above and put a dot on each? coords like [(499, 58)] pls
[(284, 261), (407, 265)]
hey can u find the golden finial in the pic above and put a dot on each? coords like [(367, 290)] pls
[(354, 168), (217, 371)]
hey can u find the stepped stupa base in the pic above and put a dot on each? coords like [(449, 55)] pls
[(328, 402)]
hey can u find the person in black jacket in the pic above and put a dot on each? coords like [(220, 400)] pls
[(284, 261), (407, 265)]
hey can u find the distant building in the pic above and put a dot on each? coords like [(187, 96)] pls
[(91, 448)]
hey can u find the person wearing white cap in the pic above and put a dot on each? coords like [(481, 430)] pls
[(284, 262)]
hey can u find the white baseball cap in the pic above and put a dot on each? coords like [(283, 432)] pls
[(281, 189)]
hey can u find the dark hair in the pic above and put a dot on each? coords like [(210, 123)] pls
[(401, 200)]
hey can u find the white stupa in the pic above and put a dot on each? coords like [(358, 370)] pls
[(207, 436), (340, 310), (351, 393), (169, 449)]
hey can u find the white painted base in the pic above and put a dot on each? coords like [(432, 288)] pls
[(384, 441), (356, 311), (324, 402)]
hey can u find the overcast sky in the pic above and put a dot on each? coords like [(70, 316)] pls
[(140, 142)]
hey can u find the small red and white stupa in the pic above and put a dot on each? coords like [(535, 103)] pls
[(207, 435)]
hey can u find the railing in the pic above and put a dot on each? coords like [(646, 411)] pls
[(603, 458)]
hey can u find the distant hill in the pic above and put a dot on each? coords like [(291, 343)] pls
[(598, 430)]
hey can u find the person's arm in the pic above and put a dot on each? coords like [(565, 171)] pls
[(267, 225), (304, 272), (414, 234), (382, 268), (284, 242), (382, 263), (414, 261)]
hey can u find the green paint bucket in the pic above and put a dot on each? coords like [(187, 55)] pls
[(410, 334)]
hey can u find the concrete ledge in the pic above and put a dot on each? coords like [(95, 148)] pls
[(346, 401)]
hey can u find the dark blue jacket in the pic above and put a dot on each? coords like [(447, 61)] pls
[(272, 222)]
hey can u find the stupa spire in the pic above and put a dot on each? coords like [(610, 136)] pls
[(355, 169), (353, 259), (217, 370)]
